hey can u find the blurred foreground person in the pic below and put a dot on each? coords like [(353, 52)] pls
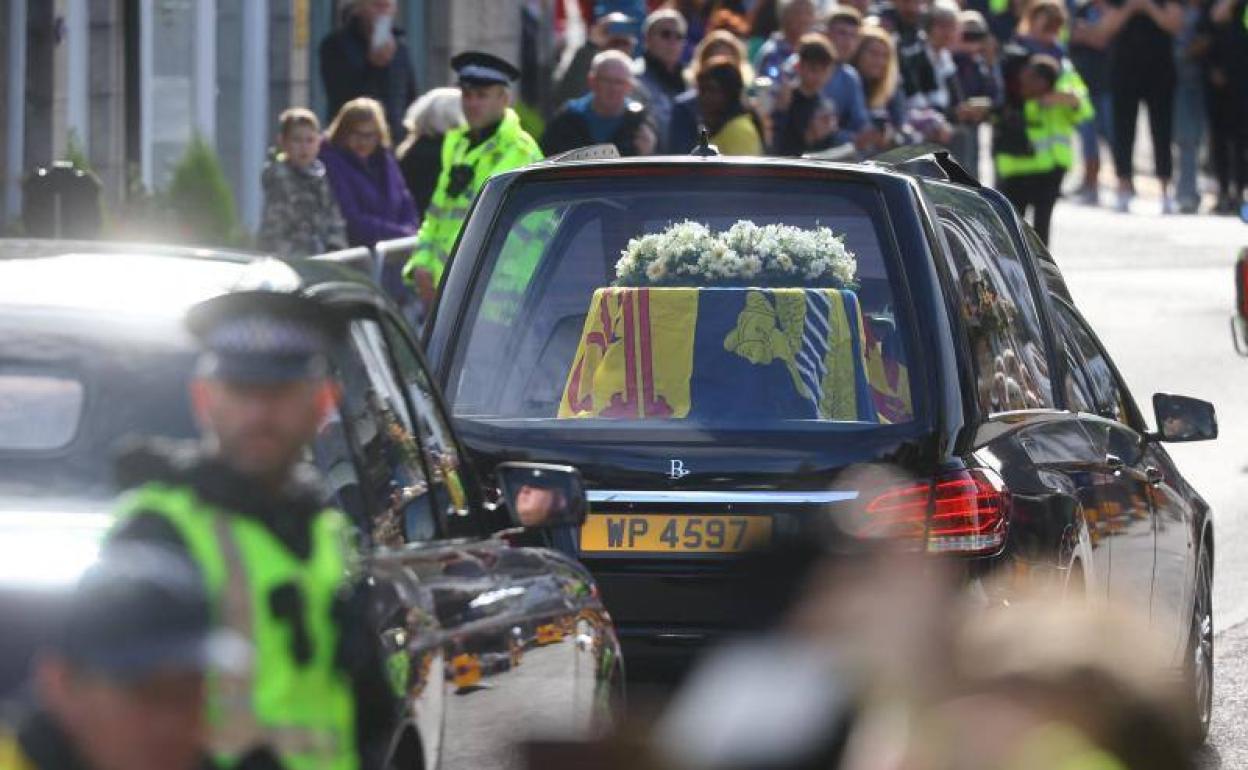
[(121, 686), (491, 142), (887, 661), (276, 562)]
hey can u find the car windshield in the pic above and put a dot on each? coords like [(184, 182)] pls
[(680, 300)]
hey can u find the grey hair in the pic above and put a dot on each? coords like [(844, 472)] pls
[(943, 10), (665, 14), (610, 55), (782, 7), (434, 113)]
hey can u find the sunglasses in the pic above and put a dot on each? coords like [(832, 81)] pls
[(670, 34)]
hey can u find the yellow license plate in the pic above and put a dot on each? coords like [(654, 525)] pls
[(658, 533)]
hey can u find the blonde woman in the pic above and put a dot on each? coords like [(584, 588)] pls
[(364, 176), (420, 155), (876, 62)]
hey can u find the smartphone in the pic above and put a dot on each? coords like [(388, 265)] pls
[(383, 32), (980, 102)]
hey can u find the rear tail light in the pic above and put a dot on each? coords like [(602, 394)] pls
[(963, 512)]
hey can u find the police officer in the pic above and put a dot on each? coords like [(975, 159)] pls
[(491, 142), (120, 685), (275, 561)]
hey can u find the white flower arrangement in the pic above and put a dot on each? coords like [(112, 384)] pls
[(746, 254)]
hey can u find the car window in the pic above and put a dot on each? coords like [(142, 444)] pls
[(442, 455), (393, 472), (38, 411), (557, 339), (1075, 382), (1111, 398), (998, 307)]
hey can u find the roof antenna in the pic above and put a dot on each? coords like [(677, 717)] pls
[(705, 149)]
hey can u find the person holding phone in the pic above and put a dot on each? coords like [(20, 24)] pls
[(367, 56)]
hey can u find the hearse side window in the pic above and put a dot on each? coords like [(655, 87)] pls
[(374, 410), (441, 455), (1109, 395), (998, 306)]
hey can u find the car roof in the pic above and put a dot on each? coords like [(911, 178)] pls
[(926, 161), (141, 280)]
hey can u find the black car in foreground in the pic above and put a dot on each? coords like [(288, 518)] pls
[(488, 641), (947, 394)]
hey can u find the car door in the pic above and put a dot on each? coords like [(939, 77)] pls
[(1121, 483), (527, 635)]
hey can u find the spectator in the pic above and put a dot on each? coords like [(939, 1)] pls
[(906, 20), (1054, 103), (797, 17), (720, 43), (978, 86), (721, 105), (929, 74), (695, 13), (844, 29), (604, 115), (1088, 55), (682, 133), (764, 22), (876, 63), (1227, 80), (805, 119), (300, 216), (1191, 49), (612, 32), (367, 57), (428, 121), (658, 72), (1142, 70), (365, 177)]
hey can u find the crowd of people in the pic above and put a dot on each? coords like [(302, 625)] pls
[(1004, 85)]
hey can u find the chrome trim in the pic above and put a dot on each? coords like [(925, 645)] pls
[(677, 496)]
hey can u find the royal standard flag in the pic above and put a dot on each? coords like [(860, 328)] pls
[(721, 355)]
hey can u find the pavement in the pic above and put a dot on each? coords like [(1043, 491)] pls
[(1159, 291)]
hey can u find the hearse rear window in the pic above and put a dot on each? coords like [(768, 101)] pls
[(686, 301)]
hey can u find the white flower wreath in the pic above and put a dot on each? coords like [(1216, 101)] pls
[(746, 254)]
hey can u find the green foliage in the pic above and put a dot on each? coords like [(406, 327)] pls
[(74, 152), (200, 200)]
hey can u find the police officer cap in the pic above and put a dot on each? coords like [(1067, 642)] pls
[(476, 68), (264, 336), (143, 609)]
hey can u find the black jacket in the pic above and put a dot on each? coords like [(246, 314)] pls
[(287, 515), (421, 163), (569, 130), (347, 74)]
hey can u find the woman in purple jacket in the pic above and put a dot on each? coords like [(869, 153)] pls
[(365, 177)]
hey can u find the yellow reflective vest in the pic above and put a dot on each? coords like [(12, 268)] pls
[(1050, 130), (293, 698), (510, 147)]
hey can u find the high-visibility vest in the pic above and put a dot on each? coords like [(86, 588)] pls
[(510, 147), (1050, 130), (517, 262), (12, 756), (293, 697)]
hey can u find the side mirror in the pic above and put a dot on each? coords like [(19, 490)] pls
[(540, 495), (1180, 418)]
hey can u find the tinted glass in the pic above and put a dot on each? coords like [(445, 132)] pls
[(1110, 396), (441, 454), (38, 411), (393, 472), (553, 339), (998, 307)]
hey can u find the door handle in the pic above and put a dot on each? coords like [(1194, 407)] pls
[(1154, 475), (1115, 464)]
